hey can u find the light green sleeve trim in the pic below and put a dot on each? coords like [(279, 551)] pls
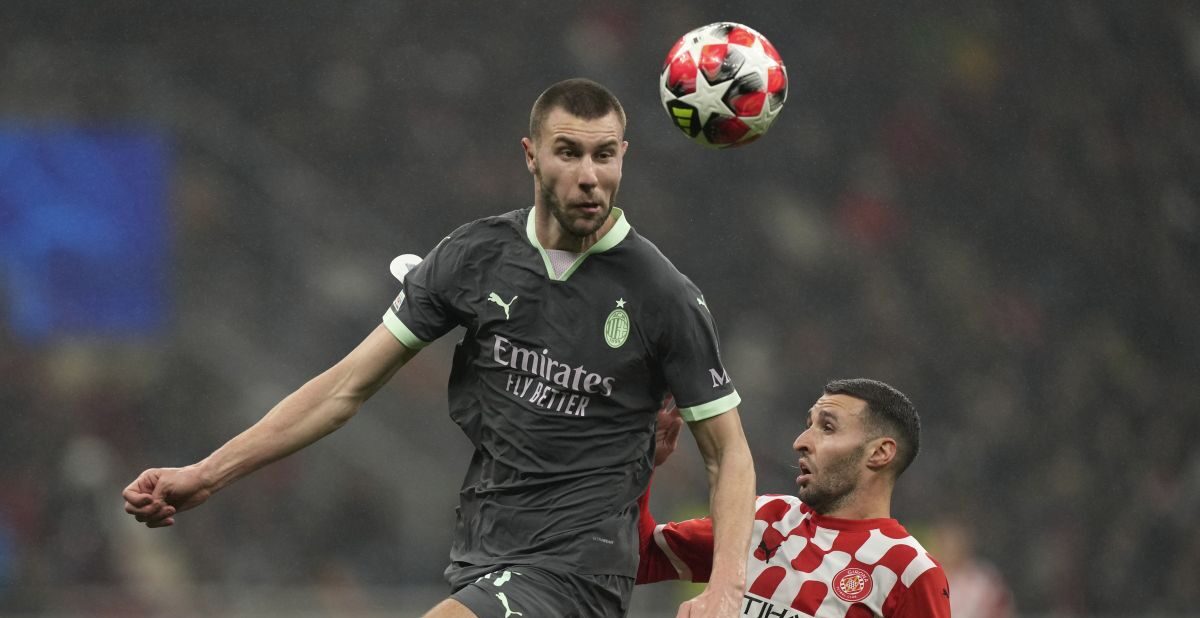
[(401, 332), (713, 408)]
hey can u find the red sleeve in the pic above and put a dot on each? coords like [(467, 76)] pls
[(928, 597), (680, 550)]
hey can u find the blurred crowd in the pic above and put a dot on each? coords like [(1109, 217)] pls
[(993, 206)]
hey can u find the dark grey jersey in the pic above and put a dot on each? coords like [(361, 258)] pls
[(556, 383)]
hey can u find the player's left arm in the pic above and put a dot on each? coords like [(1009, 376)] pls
[(927, 597), (730, 469)]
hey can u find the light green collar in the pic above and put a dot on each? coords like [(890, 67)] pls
[(616, 234)]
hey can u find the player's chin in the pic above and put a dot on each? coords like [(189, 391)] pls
[(588, 223)]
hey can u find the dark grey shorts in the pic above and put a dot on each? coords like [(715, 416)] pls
[(533, 592)]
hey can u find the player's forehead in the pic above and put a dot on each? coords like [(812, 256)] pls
[(561, 125), (840, 406)]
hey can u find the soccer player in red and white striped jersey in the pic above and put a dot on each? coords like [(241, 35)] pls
[(833, 551)]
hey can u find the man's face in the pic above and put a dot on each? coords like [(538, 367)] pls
[(577, 165), (833, 451)]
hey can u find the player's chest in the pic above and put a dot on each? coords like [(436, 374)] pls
[(592, 314), (816, 574)]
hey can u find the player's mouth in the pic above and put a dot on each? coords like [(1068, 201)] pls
[(590, 208), (806, 473)]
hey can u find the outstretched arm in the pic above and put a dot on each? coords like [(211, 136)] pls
[(731, 483), (313, 411)]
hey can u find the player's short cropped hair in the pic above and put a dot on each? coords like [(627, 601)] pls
[(890, 414), (579, 97)]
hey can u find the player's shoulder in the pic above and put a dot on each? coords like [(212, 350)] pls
[(923, 565), (655, 269), (484, 233), (490, 226), (785, 509), (783, 499), (649, 255)]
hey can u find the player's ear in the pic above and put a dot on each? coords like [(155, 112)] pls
[(528, 146), (882, 453)]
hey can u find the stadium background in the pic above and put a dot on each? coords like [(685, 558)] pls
[(992, 205)]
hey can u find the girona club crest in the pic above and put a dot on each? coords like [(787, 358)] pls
[(852, 584)]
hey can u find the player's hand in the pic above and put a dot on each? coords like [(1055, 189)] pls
[(713, 603), (159, 493), (666, 437)]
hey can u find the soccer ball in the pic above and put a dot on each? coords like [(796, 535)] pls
[(723, 84)]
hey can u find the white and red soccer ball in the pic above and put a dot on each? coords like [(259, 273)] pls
[(723, 84)]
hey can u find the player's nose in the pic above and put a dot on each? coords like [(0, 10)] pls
[(802, 444), (587, 173)]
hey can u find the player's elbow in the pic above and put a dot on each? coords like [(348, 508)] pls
[(342, 412), (338, 397)]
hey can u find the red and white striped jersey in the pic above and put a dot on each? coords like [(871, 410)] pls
[(805, 564)]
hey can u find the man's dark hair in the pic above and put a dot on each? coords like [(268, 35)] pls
[(579, 97), (890, 413)]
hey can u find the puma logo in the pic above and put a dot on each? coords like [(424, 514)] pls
[(767, 552), (494, 298), (508, 611)]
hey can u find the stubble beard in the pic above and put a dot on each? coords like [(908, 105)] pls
[(577, 226), (834, 488)]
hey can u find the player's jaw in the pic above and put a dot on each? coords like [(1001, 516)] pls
[(826, 486), (579, 216)]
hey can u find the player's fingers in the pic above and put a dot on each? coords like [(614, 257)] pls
[(136, 498), (685, 610), (145, 481), (156, 510), (157, 520), (140, 511), (144, 507), (162, 523), (675, 425), (140, 492)]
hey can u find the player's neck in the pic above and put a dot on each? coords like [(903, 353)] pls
[(873, 501), (551, 235)]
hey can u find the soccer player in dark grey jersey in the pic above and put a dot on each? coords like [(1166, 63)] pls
[(576, 328)]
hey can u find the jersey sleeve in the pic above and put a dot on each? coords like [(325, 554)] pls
[(927, 597), (680, 550), (424, 310), (691, 356)]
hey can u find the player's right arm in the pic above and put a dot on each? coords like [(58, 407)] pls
[(682, 550), (313, 411), (678, 550)]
